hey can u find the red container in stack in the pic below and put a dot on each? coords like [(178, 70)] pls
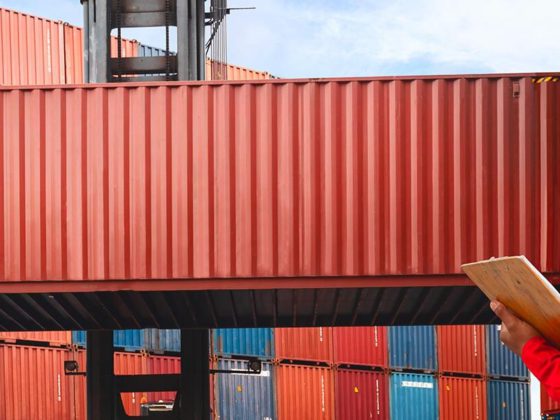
[(365, 346), (303, 344), (33, 384), (304, 392), (51, 337), (461, 349), (159, 365), (132, 364), (361, 394)]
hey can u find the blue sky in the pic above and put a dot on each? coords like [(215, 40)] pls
[(318, 38)]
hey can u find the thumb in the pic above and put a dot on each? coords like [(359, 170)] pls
[(507, 317)]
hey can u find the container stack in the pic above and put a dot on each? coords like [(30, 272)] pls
[(319, 373)]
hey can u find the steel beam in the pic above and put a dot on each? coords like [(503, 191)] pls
[(100, 378), (194, 397), (98, 42), (190, 39)]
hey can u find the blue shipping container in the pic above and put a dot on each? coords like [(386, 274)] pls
[(127, 339), (257, 342), (148, 51), (500, 361), (149, 339), (412, 348), (508, 400), (413, 397), (241, 396), (162, 340)]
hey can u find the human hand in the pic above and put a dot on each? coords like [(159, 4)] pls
[(514, 332)]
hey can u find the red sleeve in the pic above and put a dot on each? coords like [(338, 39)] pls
[(543, 361)]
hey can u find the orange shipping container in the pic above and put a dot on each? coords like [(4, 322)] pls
[(462, 398), (33, 384), (461, 349), (52, 337), (360, 346), (285, 179), (159, 365), (132, 364), (306, 344), (31, 50), (304, 392)]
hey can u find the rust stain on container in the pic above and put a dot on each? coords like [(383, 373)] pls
[(360, 346), (306, 344), (462, 398), (357, 177), (461, 349), (304, 393)]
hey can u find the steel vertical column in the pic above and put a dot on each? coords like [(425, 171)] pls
[(98, 42), (100, 378), (190, 39), (195, 375)]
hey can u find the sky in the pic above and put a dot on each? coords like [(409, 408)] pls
[(327, 38)]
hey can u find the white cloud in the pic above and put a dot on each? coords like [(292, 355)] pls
[(314, 38), (421, 36)]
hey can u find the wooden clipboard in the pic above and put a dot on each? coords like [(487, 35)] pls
[(516, 283)]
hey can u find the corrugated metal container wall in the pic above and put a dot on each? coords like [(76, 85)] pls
[(361, 394), (413, 397), (33, 384), (500, 361), (127, 339), (412, 347), (162, 340), (243, 396), (548, 405), (73, 54), (132, 364), (31, 50), (462, 398), (53, 337), (158, 365), (360, 346), (312, 344), (258, 342), (419, 211), (508, 400), (304, 392), (461, 349)]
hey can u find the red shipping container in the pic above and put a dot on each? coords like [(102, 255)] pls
[(360, 346), (158, 365), (461, 349), (462, 398), (132, 364), (361, 395), (33, 384), (548, 405), (305, 344), (31, 50), (304, 392), (52, 337), (302, 219)]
